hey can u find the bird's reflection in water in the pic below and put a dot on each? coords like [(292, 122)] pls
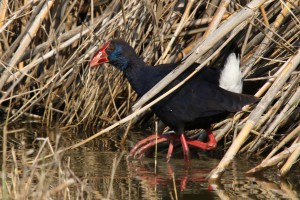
[(180, 179), (176, 176)]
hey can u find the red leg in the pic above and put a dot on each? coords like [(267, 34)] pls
[(183, 183), (184, 178), (170, 150), (185, 147)]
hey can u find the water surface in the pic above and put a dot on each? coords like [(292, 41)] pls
[(105, 171), (148, 178)]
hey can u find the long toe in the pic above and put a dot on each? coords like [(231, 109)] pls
[(140, 152), (211, 144), (140, 143)]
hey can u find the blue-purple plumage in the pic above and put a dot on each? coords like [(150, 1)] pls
[(197, 104)]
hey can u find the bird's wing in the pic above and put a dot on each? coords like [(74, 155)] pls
[(202, 99)]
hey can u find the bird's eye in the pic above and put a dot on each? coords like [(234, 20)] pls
[(110, 48)]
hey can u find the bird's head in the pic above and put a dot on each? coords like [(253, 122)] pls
[(116, 52)]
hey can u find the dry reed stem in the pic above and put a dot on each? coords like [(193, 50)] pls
[(18, 76), (220, 13), (279, 118), (201, 21), (263, 12), (4, 164), (17, 13), (219, 189), (291, 160), (217, 18), (285, 186), (48, 55), (287, 139), (254, 116), (265, 43), (269, 115), (3, 8), (180, 26), (116, 163), (26, 40), (38, 181), (60, 187), (274, 160), (274, 109)]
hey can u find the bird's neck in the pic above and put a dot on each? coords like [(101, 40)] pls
[(135, 73), (143, 77)]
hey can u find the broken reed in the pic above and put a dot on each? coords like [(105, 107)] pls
[(46, 45)]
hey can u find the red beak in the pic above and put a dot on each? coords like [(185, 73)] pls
[(100, 57)]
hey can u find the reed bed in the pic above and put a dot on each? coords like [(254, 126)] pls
[(27, 174), (46, 46)]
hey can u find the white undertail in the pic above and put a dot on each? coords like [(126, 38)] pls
[(231, 76)]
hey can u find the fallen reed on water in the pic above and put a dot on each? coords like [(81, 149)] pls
[(46, 46)]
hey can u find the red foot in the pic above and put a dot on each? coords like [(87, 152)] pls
[(211, 144), (140, 148)]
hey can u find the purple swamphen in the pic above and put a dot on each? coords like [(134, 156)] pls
[(206, 98)]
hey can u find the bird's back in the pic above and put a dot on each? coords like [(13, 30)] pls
[(197, 104)]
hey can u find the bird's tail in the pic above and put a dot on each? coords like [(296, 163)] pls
[(230, 75)]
